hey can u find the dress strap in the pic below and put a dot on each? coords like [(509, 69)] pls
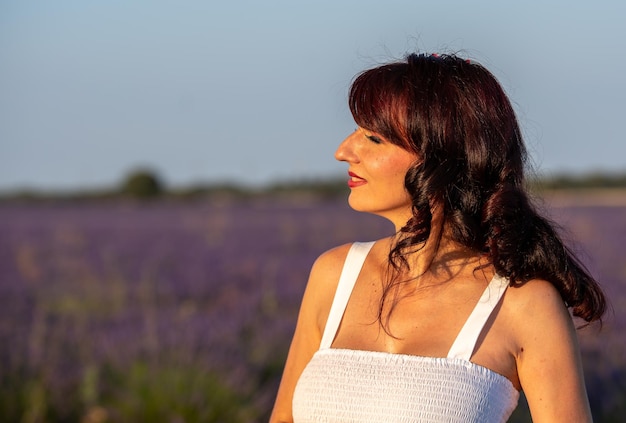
[(465, 342), (349, 274)]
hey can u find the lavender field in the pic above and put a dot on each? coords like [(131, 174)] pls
[(166, 311)]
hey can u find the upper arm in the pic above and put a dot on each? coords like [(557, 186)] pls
[(316, 302), (548, 358)]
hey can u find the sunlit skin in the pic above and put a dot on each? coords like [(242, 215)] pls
[(530, 340), (376, 175)]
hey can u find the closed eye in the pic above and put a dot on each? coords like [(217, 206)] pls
[(374, 139)]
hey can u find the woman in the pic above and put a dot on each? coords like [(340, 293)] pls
[(467, 304)]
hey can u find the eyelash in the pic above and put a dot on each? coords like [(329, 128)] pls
[(374, 139)]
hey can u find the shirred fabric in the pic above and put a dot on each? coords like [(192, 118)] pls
[(353, 386)]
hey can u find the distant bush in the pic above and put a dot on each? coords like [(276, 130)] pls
[(142, 184)]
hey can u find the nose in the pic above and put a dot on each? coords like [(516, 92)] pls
[(345, 152)]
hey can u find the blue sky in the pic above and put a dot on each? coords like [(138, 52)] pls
[(255, 92)]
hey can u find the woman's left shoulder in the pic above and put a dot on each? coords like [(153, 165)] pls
[(536, 310), (534, 296), (546, 351)]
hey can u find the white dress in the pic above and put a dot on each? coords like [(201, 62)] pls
[(341, 385)]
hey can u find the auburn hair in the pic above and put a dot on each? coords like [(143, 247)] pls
[(454, 115)]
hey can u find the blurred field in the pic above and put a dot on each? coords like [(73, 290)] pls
[(181, 311)]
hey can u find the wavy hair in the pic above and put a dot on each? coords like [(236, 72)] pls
[(456, 117)]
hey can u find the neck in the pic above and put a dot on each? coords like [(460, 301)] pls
[(439, 259)]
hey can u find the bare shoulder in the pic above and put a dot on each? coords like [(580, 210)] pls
[(546, 353), (535, 292), (534, 301), (322, 283), (330, 262), (545, 340), (537, 313), (324, 278)]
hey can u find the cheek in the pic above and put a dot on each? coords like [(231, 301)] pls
[(392, 176), (399, 167), (393, 167)]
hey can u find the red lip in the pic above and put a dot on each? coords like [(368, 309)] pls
[(355, 180)]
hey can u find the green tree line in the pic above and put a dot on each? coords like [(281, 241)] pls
[(146, 184)]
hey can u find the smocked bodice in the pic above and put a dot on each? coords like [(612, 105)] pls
[(354, 386)]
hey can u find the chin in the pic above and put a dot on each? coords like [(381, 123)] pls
[(395, 213), (362, 206), (355, 204)]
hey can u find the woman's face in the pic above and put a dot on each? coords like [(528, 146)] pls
[(377, 169)]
